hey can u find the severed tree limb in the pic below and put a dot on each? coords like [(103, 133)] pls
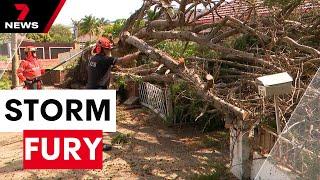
[(258, 61), (161, 24), (301, 47), (214, 8), (190, 36), (153, 53), (216, 25), (224, 35), (143, 69), (245, 28), (239, 77), (310, 61), (154, 77), (140, 72), (236, 72), (286, 11), (204, 110), (202, 27), (215, 31), (137, 15), (187, 75), (230, 63)]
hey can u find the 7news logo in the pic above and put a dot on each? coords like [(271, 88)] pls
[(28, 16), (21, 23)]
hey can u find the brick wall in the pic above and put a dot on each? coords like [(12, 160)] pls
[(50, 49)]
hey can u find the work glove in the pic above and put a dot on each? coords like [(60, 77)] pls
[(117, 68), (27, 82)]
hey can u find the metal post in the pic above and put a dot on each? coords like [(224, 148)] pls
[(15, 60), (263, 106), (276, 108), (9, 50), (169, 107)]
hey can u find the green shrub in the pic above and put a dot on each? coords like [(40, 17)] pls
[(245, 41), (183, 49), (121, 138), (3, 58), (114, 28), (5, 82), (220, 172), (209, 142), (187, 106), (120, 82)]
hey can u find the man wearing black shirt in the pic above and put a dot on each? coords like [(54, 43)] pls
[(100, 65), (99, 68)]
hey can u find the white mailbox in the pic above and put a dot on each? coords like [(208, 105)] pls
[(273, 85)]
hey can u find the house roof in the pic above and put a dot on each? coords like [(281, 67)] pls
[(236, 8), (240, 8), (46, 44)]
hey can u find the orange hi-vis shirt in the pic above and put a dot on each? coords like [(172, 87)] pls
[(29, 69)]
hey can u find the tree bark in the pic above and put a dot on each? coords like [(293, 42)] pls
[(301, 47), (187, 75)]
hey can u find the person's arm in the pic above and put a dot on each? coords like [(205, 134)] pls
[(128, 58), (20, 71), (43, 71)]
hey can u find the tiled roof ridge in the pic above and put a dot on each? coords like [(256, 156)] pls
[(240, 7)]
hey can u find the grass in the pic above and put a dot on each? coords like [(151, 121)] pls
[(209, 142), (121, 138), (4, 58), (5, 82), (220, 172)]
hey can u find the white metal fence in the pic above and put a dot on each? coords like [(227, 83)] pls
[(156, 99)]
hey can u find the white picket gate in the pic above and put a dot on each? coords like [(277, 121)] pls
[(156, 99)]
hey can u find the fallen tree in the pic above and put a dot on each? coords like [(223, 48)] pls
[(269, 54), (232, 44), (188, 75), (255, 38)]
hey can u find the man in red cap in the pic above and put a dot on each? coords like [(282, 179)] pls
[(29, 69), (100, 65)]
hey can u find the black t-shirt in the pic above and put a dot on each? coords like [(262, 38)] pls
[(99, 71)]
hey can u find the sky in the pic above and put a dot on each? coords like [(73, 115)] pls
[(109, 9)]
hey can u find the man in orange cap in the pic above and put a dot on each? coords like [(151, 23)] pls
[(29, 69), (100, 65)]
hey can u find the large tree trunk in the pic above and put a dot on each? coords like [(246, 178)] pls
[(187, 75)]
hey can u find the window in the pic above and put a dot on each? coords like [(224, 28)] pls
[(54, 51)]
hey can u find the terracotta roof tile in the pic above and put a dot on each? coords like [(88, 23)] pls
[(239, 8)]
